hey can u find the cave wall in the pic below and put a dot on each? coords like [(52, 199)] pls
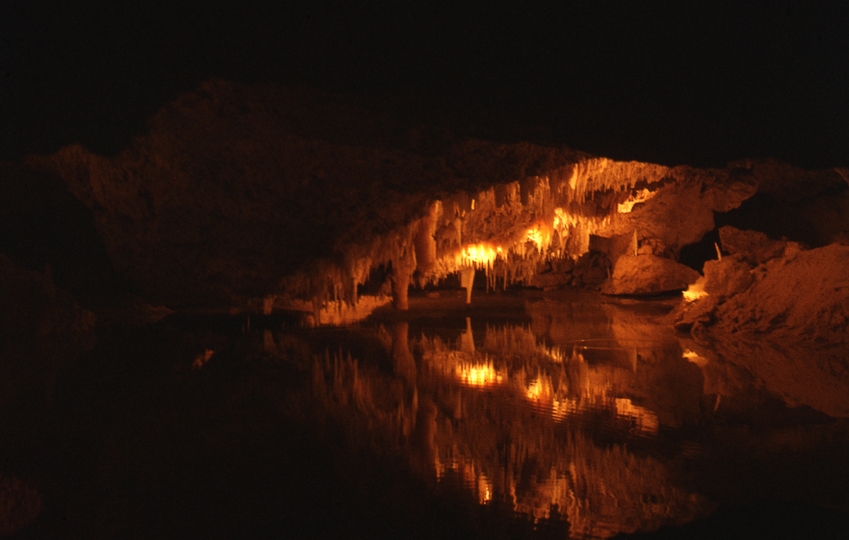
[(244, 192)]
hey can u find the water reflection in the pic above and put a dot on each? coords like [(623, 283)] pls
[(527, 406), (586, 414)]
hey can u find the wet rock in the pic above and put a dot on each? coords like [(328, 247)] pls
[(804, 295), (647, 274), (753, 246), (727, 277), (789, 326)]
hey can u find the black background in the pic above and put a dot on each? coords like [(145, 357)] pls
[(656, 81)]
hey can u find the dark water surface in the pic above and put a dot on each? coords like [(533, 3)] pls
[(521, 416)]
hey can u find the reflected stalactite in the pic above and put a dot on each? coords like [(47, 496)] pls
[(580, 431), (602, 491), (540, 426), (467, 338), (403, 363)]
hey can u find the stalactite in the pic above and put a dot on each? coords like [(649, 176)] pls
[(508, 231)]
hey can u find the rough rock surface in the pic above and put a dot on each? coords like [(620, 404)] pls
[(647, 274), (786, 321), (241, 192), (754, 246), (804, 295), (811, 207), (727, 277)]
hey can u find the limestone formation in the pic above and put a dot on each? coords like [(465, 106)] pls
[(754, 246), (241, 192), (648, 274)]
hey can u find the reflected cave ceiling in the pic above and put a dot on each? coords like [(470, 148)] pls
[(668, 83)]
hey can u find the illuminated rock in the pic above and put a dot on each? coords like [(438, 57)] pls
[(727, 277), (648, 274), (241, 192), (789, 327)]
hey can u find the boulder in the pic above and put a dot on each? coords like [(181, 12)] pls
[(648, 274), (727, 277), (753, 246)]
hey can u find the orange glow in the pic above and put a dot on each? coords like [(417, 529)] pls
[(695, 291), (639, 197), (539, 389), (202, 358), (694, 357), (644, 420), (479, 375), (540, 236), (563, 219), (478, 255)]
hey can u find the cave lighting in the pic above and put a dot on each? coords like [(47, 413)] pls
[(479, 374), (640, 196), (480, 255), (695, 291), (694, 357)]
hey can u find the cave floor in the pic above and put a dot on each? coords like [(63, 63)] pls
[(524, 415)]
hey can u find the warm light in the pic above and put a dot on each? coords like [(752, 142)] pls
[(644, 419), (540, 236), (562, 408), (694, 358), (639, 197), (480, 375), (695, 292), (478, 255), (564, 220), (535, 390), (202, 358), (484, 489)]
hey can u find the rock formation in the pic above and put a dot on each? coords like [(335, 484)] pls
[(242, 192), (781, 312)]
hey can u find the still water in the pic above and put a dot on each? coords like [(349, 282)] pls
[(585, 416), (521, 416)]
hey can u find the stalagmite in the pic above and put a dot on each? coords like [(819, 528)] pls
[(400, 286), (467, 280)]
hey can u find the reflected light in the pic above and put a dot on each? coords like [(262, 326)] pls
[(644, 420), (535, 390), (480, 375)]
